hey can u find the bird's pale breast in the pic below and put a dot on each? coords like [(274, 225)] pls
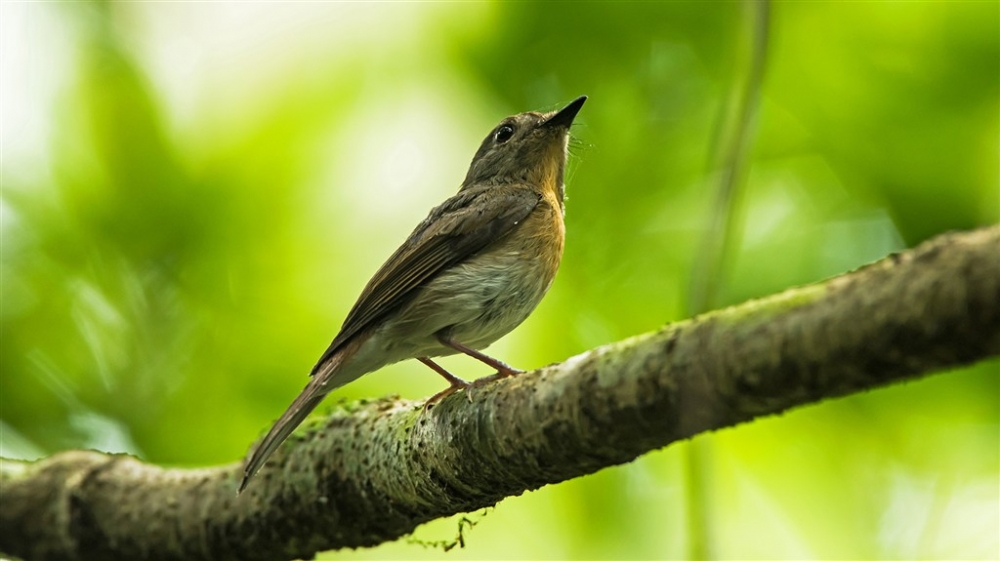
[(487, 296)]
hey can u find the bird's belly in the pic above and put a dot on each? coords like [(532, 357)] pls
[(482, 299), (500, 293)]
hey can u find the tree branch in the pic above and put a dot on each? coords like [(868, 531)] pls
[(374, 473)]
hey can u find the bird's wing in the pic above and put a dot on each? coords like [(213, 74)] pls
[(457, 229)]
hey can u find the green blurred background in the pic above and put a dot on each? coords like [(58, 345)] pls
[(193, 194)]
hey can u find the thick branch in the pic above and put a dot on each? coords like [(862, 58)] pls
[(373, 474)]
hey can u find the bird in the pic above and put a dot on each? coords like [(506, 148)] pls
[(467, 275)]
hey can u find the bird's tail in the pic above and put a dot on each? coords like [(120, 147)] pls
[(310, 397)]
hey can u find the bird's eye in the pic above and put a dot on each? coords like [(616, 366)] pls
[(503, 134)]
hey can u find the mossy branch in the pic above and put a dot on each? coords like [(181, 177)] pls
[(377, 472)]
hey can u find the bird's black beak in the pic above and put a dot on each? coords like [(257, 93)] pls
[(565, 116)]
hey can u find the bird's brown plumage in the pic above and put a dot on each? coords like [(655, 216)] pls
[(468, 274)]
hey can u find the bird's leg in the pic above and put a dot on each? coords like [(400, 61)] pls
[(456, 382), (503, 370)]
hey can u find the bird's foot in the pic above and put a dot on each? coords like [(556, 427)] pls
[(455, 382), (503, 369), (446, 392), (506, 372)]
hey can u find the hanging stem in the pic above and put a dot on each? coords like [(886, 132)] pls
[(734, 135)]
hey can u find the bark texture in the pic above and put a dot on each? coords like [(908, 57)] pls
[(373, 473)]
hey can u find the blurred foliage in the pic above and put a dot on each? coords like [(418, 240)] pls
[(194, 194)]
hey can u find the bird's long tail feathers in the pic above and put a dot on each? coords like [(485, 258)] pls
[(310, 397)]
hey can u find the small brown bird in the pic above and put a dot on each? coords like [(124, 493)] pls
[(471, 272)]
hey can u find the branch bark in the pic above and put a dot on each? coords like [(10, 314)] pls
[(373, 473)]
